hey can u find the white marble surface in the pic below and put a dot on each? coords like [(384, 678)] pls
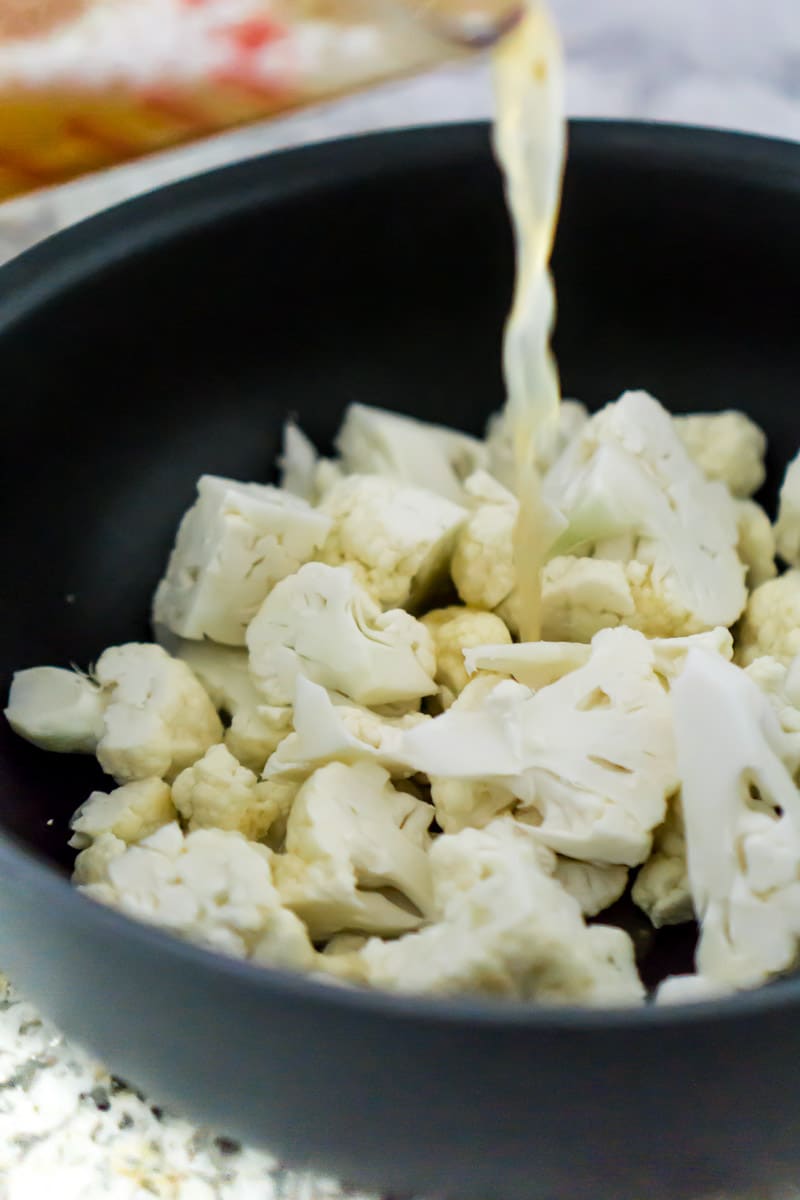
[(66, 1129)]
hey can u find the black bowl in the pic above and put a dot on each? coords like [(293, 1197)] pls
[(171, 336)]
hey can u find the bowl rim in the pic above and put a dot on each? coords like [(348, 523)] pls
[(143, 224)]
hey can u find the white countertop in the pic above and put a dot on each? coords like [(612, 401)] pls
[(66, 1129)]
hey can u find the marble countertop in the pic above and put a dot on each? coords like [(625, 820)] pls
[(67, 1129)]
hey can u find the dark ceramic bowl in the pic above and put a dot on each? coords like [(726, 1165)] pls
[(171, 336)]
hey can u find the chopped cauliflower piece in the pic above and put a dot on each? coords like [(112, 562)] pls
[(144, 714), (771, 621), (374, 441), (595, 886), (581, 596), (326, 731), (233, 545), (572, 416), (56, 709), (662, 887), (780, 683), (321, 624), (130, 813), (256, 729), (210, 886), (158, 719), (454, 631), (483, 561), (727, 446), (502, 926), (628, 479), (690, 989), (397, 539), (217, 792), (742, 814), (356, 854), (787, 526), (92, 864), (756, 547), (589, 760)]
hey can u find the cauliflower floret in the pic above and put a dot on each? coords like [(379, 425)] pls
[(727, 446), (302, 471), (535, 664), (158, 720), (580, 596), (455, 630), (572, 416), (349, 837), (780, 683), (233, 546), (662, 888), (217, 792), (92, 864), (630, 492), (397, 539), (502, 926), (326, 731), (210, 886), (742, 814), (483, 560), (589, 760), (596, 887), (321, 624), (144, 714), (787, 527), (756, 546), (374, 441), (771, 621), (130, 813), (256, 729)]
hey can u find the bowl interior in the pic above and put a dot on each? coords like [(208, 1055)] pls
[(172, 337)]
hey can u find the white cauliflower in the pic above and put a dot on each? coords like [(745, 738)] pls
[(256, 729), (662, 887), (581, 596), (742, 814), (302, 471), (502, 926), (210, 886), (92, 864), (727, 446), (397, 539), (232, 547), (217, 792), (329, 731), (756, 546), (630, 493), (374, 441), (771, 621), (595, 886), (483, 560), (321, 624), (780, 683), (143, 713), (572, 416), (455, 630), (130, 813), (787, 526), (589, 760), (535, 664), (356, 854)]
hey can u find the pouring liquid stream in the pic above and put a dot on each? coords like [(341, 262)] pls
[(530, 141)]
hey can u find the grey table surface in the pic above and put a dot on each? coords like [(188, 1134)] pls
[(66, 1128)]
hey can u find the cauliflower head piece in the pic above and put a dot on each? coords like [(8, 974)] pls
[(502, 926), (356, 853), (456, 630), (727, 446), (630, 493), (143, 713), (397, 539), (588, 760), (662, 887), (233, 545), (771, 622), (218, 792), (321, 624), (210, 886), (742, 816), (131, 812), (787, 526)]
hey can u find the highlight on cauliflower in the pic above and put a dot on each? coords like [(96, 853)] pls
[(338, 757)]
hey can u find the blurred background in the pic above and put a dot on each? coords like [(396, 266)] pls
[(728, 63)]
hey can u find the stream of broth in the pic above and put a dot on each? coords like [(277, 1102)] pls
[(530, 142)]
